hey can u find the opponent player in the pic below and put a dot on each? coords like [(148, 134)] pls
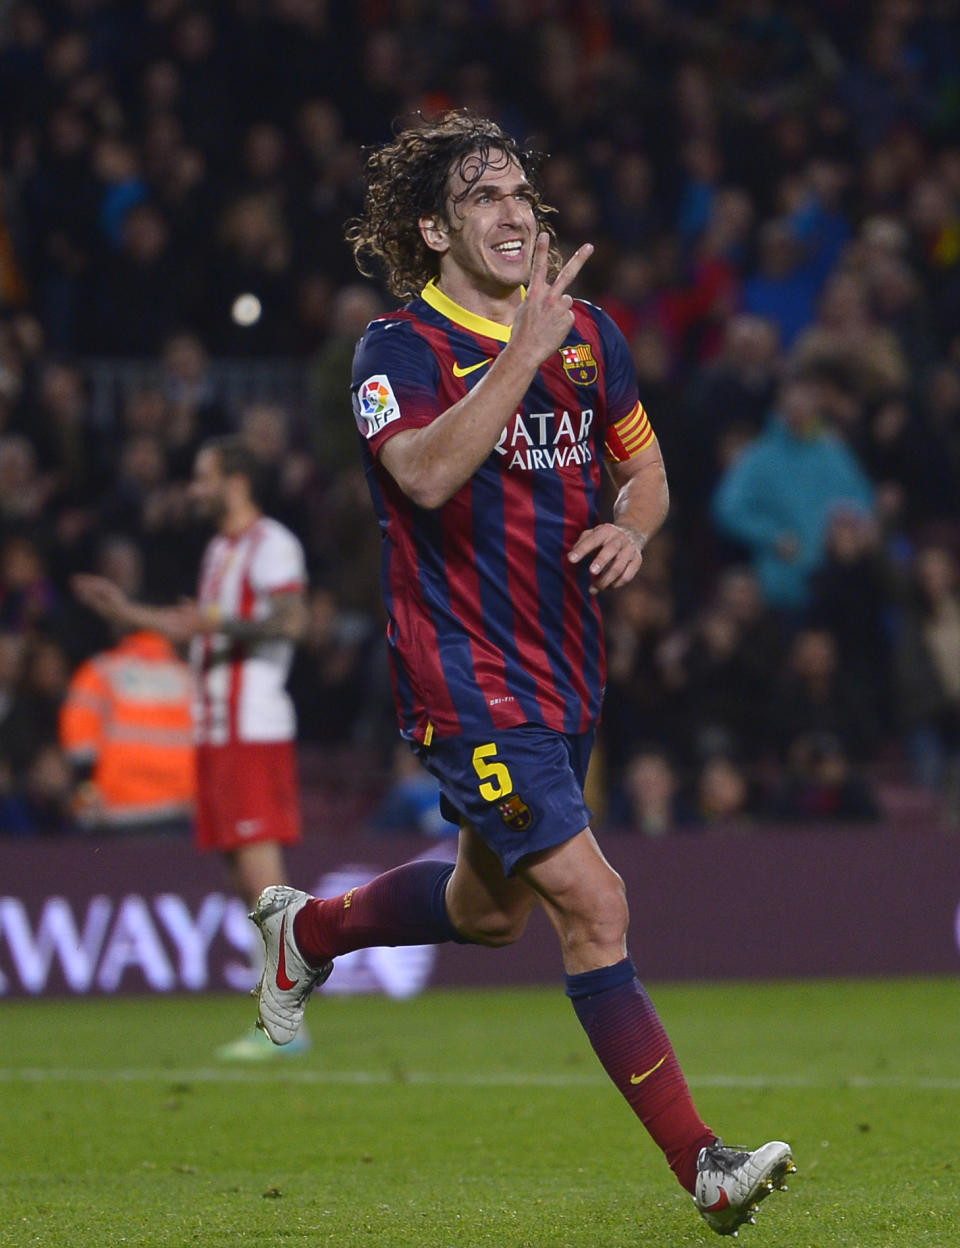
[(487, 406), (242, 627)]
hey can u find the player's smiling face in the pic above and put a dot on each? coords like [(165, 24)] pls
[(487, 239)]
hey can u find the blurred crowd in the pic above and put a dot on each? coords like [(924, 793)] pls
[(773, 190)]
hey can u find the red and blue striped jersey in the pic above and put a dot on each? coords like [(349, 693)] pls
[(489, 624)]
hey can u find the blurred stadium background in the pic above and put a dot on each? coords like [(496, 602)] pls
[(773, 191)]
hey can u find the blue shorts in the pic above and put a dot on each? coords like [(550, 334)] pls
[(522, 789)]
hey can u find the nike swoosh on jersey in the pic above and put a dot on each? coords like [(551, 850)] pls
[(647, 1073), (283, 982), (472, 368)]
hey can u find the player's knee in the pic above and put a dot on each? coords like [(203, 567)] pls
[(611, 916), (495, 929), (602, 919)]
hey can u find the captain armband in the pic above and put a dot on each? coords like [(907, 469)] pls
[(629, 436)]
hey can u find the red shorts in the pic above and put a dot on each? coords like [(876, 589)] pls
[(247, 792)]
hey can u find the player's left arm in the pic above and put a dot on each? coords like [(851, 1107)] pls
[(641, 506)]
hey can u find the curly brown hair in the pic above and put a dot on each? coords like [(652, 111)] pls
[(408, 179)]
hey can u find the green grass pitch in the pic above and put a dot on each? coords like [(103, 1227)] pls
[(463, 1119)]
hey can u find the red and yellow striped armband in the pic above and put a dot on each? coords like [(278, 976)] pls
[(630, 436)]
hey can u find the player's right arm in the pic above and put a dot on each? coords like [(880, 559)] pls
[(108, 599), (431, 463)]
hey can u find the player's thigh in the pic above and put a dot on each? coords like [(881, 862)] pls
[(481, 900), (521, 789)]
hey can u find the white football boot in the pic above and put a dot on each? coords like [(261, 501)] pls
[(287, 978), (731, 1182)]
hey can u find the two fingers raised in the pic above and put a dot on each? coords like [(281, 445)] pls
[(541, 254)]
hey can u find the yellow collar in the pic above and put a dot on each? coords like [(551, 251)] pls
[(433, 295)]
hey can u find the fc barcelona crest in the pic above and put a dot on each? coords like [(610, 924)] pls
[(515, 812), (579, 364)]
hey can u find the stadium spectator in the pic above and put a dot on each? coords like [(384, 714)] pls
[(24, 490), (44, 804), (12, 647), (287, 474), (762, 643), (140, 477), (941, 404), (330, 671), (348, 547), (333, 440), (911, 464), (846, 334), (188, 384), (817, 695), (737, 386), (723, 797), (116, 164), (648, 798), (639, 706), (721, 706), (776, 497), (927, 672), (852, 597), (903, 308), (30, 724), (14, 815), (254, 261), (629, 293), (27, 595), (821, 784), (629, 208), (783, 290), (63, 436), (144, 289)]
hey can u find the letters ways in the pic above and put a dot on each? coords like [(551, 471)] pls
[(133, 944), (162, 944)]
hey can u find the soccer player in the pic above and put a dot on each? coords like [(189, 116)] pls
[(249, 612), (488, 406)]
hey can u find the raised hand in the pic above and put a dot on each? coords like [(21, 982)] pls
[(99, 594), (545, 317), (179, 623)]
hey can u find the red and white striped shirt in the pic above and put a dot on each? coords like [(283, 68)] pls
[(240, 686)]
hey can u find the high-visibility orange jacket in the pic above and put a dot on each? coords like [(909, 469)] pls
[(128, 713)]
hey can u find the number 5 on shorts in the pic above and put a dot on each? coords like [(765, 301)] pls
[(497, 780)]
